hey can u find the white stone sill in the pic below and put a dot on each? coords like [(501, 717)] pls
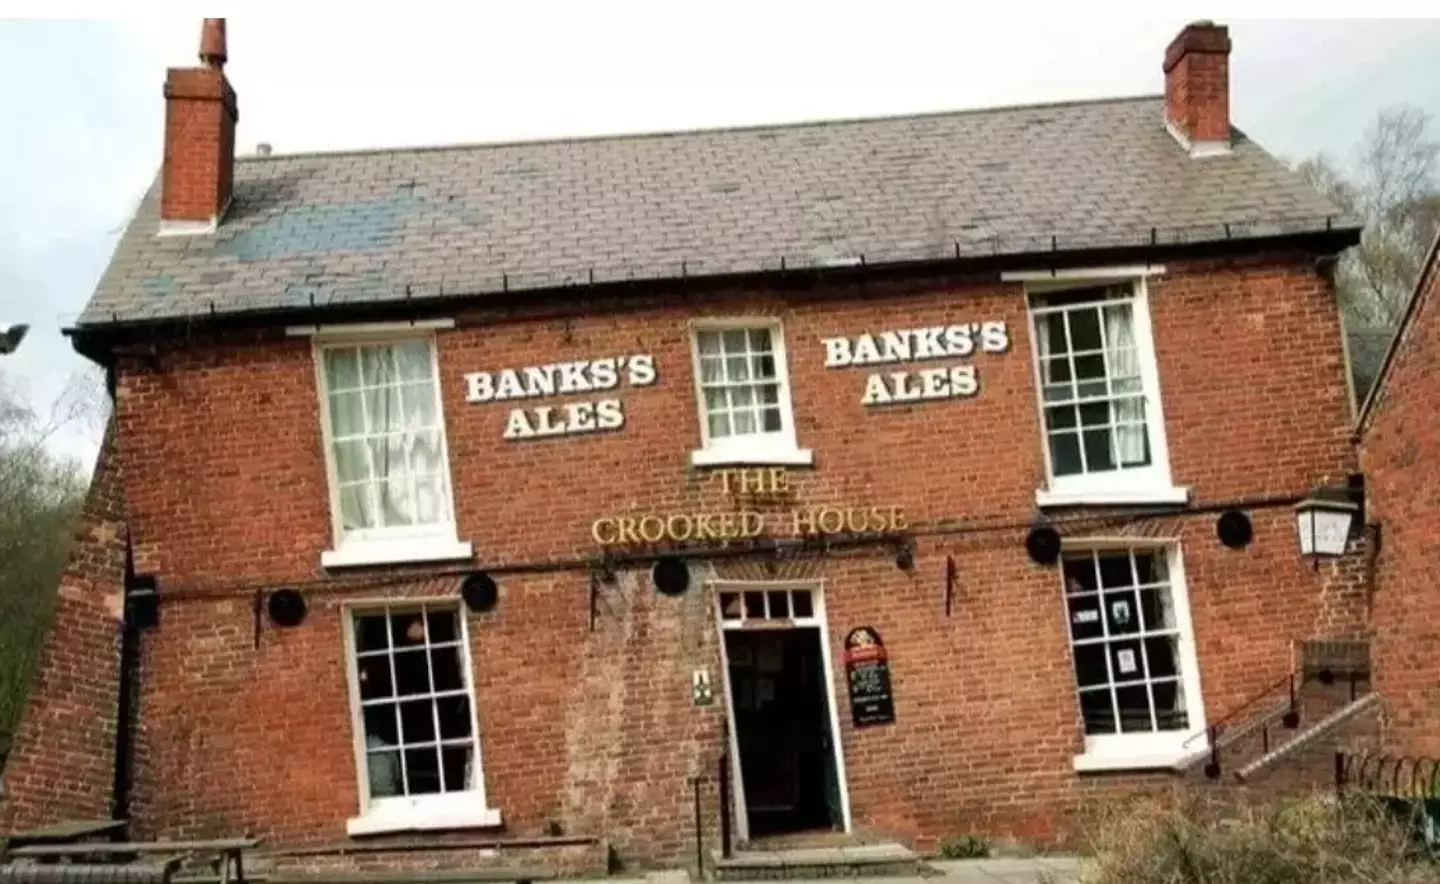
[(419, 819), (801, 457), (392, 552), (1112, 497), (1176, 760)]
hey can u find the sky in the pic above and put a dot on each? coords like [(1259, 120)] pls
[(81, 110)]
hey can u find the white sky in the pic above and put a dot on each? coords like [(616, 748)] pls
[(81, 109)]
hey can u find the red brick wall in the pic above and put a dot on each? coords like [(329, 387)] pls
[(1400, 448), (595, 731), (62, 763)]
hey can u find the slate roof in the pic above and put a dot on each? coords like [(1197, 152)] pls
[(366, 226)]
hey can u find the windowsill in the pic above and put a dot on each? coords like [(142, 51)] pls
[(1111, 496), (416, 819), (756, 456), (391, 552), (1176, 759)]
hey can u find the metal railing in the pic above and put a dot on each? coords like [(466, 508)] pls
[(721, 777)]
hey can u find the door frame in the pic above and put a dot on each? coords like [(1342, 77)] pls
[(817, 620)]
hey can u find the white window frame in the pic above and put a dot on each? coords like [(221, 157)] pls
[(1152, 484), (772, 449), (431, 543), (1169, 749), (450, 810)]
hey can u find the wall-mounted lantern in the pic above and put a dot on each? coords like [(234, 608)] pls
[(1326, 518)]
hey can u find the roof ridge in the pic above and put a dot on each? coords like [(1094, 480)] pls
[(711, 130)]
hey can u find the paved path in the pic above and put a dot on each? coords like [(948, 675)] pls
[(1030, 870)]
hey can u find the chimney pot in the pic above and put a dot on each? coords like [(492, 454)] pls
[(1197, 88), (262, 149), (200, 117)]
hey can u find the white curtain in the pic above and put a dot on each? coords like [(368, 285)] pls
[(1124, 365)]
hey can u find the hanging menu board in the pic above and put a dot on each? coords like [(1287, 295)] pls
[(868, 673)]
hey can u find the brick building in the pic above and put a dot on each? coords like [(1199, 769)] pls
[(508, 496)]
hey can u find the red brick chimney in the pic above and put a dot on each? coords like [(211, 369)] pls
[(200, 117), (1197, 88)]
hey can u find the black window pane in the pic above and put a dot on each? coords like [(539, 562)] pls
[(1095, 414), (1079, 573), (407, 630), (1085, 617), (1150, 566), (417, 721), (1170, 706), (1090, 373), (1162, 656), (456, 761), (1057, 370), (412, 675), (1115, 570), (1090, 665), (422, 771), (1054, 330), (442, 626), (370, 633), (1061, 417), (1098, 454), (1134, 703), (1065, 454), (374, 674), (445, 664), (1085, 329), (1122, 613), (771, 420), (755, 605), (730, 605), (780, 604), (1155, 607), (381, 729), (1126, 661), (454, 717), (800, 603), (384, 774), (1098, 712)]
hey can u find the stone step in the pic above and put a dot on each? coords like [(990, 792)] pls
[(809, 863)]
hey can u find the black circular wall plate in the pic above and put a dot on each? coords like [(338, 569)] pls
[(1234, 529), (479, 592), (286, 607), (1043, 545), (671, 575)]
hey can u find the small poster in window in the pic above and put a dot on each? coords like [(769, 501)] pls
[(1087, 615), (1120, 612), (1125, 659)]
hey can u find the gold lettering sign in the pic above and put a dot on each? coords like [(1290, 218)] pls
[(762, 485)]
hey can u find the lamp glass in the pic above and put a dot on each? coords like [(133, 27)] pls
[(1324, 527)]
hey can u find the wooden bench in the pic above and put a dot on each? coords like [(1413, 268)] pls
[(482, 875)]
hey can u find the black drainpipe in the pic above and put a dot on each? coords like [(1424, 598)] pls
[(129, 674)]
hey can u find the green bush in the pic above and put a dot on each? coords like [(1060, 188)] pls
[(1315, 840), (969, 847)]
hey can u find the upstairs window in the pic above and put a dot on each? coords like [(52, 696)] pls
[(385, 452), (1099, 392), (744, 395)]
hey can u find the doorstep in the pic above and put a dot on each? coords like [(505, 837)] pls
[(805, 863)]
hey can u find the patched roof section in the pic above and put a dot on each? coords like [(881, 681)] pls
[(383, 225)]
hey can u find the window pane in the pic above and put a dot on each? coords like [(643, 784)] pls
[(419, 406), (1084, 329), (763, 366), (1056, 370), (779, 604), (745, 422), (730, 605), (417, 721), (1162, 654), (352, 462), (719, 425), (1170, 706), (1080, 573), (712, 369), (755, 605), (733, 340), (384, 770), (1085, 617), (769, 393), (445, 664), (1126, 663), (357, 507), (1098, 454), (342, 369), (1090, 666), (800, 603), (760, 340), (1090, 368), (1121, 616), (347, 416), (1121, 386), (412, 676), (376, 367), (1134, 703), (407, 629), (1053, 330), (413, 358), (1115, 570), (709, 342), (454, 715), (771, 417), (1095, 414), (1059, 392), (456, 761), (1065, 454), (742, 397), (422, 771), (1061, 417), (370, 633), (737, 368), (382, 410), (374, 675), (1155, 607), (1098, 712), (1150, 566), (381, 728), (442, 626)]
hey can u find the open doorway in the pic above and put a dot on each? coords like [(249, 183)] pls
[(781, 716)]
